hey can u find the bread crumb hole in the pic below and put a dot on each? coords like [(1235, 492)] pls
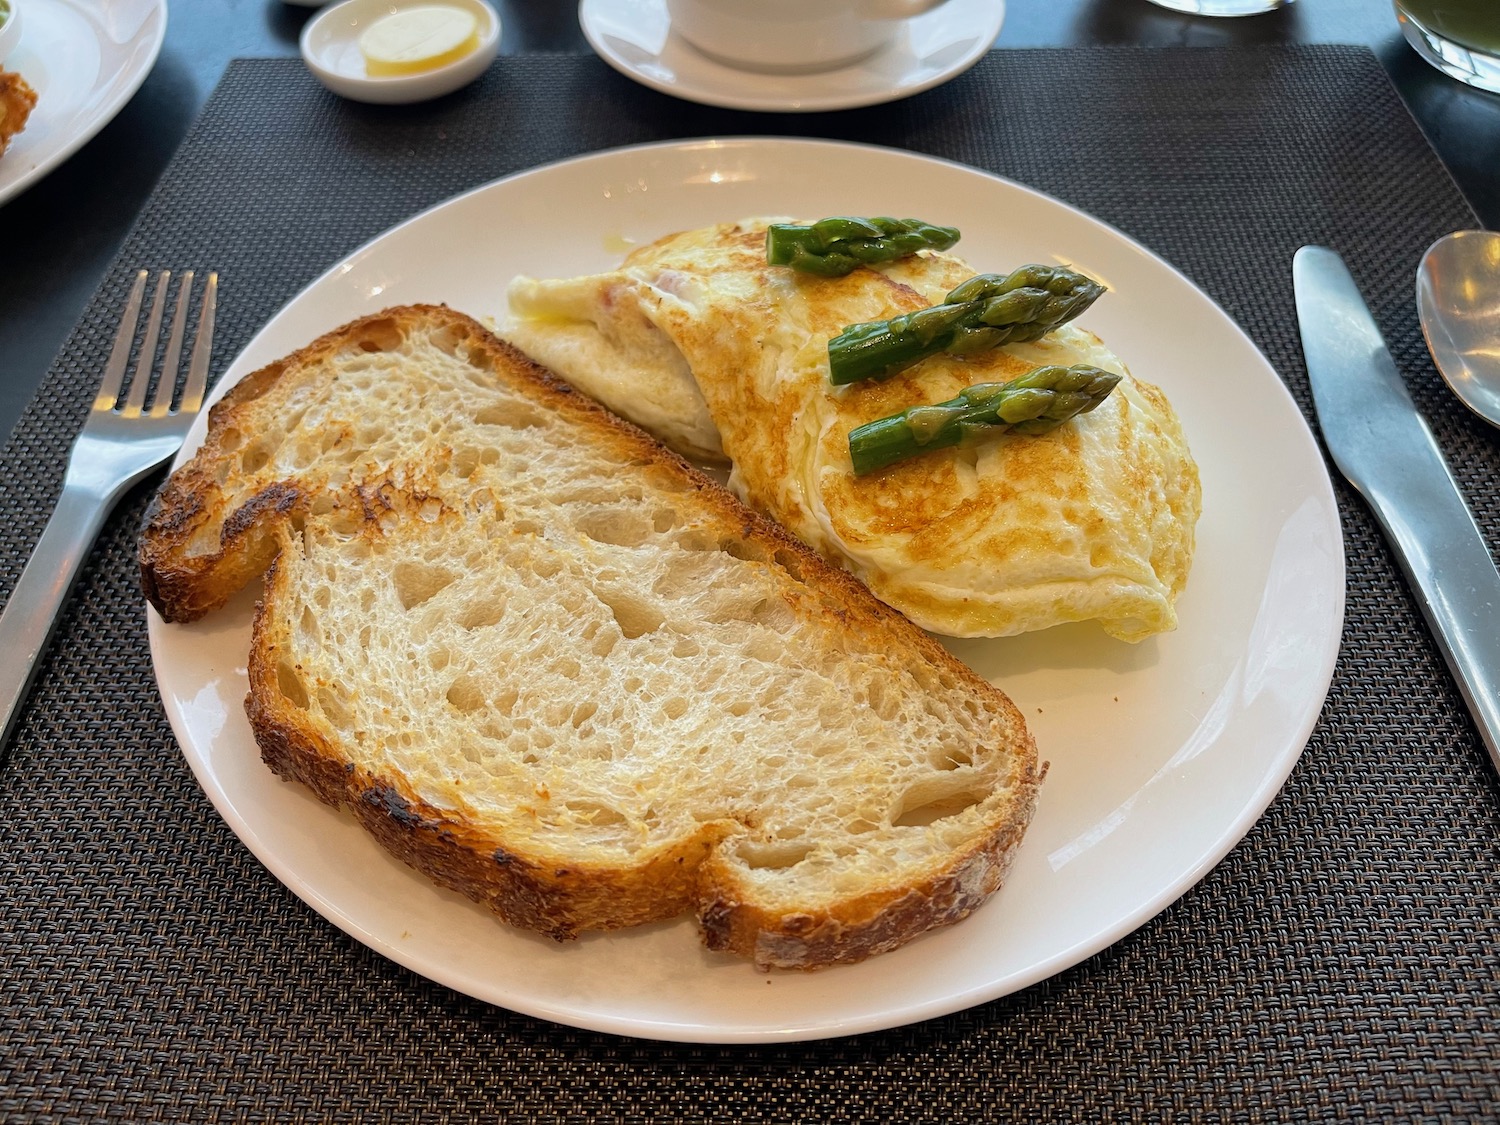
[(419, 582), (465, 696), (380, 336), (334, 709), (953, 758), (289, 683), (772, 857), (739, 549), (774, 614), (694, 539), (445, 340), (464, 462), (790, 562), (618, 529), (583, 713), (635, 617), (930, 812), (595, 814), (675, 708), (255, 458), (514, 415), (482, 614)]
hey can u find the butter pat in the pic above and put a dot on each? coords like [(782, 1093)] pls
[(419, 39)]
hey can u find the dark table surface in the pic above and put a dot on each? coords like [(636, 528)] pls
[(63, 232), (1339, 964)]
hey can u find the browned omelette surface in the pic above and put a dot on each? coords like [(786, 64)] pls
[(1094, 520)]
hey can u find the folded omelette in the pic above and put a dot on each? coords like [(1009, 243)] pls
[(698, 340)]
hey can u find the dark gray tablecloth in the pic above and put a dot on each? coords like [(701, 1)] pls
[(1340, 962)]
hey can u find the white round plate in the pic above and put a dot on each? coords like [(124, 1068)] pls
[(11, 18), (635, 37), (329, 45), (1163, 754), (84, 59)]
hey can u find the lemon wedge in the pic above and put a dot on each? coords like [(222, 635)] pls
[(418, 39)]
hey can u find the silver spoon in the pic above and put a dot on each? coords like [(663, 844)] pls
[(1458, 302)]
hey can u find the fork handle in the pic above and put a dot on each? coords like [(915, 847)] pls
[(34, 606)]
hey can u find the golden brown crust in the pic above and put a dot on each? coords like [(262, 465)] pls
[(874, 923), (197, 549), (475, 859)]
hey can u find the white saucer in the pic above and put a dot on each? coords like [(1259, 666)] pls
[(635, 37)]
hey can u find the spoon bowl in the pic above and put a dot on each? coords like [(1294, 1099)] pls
[(1458, 302)]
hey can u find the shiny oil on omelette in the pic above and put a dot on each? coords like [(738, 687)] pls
[(698, 340)]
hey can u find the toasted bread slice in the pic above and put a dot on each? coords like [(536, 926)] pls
[(551, 665)]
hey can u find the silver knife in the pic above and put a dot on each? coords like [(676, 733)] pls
[(1380, 442)]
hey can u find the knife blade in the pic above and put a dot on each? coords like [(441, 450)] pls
[(1380, 442)]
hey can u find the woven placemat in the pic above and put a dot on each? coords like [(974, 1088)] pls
[(1340, 962)]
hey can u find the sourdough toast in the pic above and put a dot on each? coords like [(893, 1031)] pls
[(551, 665)]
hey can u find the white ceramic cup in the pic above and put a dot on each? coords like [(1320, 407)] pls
[(791, 36)]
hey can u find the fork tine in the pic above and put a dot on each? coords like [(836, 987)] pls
[(119, 356), (197, 383), (147, 357), (161, 404)]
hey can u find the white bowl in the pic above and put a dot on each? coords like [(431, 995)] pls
[(10, 30), (330, 48)]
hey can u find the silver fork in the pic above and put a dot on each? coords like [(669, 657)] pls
[(121, 442)]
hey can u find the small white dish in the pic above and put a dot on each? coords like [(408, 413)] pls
[(635, 37), (330, 48), (10, 27)]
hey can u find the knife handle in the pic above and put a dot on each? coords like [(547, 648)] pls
[(1449, 567)]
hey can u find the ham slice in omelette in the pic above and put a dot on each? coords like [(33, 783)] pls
[(698, 340)]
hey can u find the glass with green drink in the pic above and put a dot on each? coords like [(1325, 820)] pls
[(1459, 37)]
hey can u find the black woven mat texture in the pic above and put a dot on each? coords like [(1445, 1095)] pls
[(1340, 963)]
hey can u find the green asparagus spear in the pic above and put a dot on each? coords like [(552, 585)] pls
[(984, 312), (1034, 403), (834, 247)]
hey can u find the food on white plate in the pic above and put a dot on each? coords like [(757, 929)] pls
[(17, 100), (699, 339), (553, 666)]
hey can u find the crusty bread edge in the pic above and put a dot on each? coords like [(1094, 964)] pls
[(879, 921), (562, 901)]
